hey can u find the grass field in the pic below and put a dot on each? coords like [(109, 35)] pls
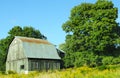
[(111, 71)]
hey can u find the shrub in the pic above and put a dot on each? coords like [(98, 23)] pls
[(116, 60), (107, 60), (87, 59), (103, 67), (11, 72), (2, 72)]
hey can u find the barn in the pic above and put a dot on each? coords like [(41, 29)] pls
[(30, 54)]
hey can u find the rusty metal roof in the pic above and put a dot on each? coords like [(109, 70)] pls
[(38, 48), (33, 40)]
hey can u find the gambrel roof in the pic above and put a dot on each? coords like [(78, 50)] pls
[(37, 48)]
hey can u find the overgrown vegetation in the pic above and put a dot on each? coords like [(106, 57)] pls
[(93, 35), (110, 71)]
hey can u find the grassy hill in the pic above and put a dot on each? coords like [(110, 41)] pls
[(111, 71)]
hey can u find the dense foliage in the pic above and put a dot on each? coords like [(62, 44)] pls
[(93, 35), (16, 31)]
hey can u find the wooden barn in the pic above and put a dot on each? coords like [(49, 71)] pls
[(30, 54)]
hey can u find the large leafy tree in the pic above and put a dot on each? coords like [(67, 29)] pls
[(92, 28), (16, 31)]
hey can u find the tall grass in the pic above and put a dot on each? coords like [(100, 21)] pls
[(81, 72)]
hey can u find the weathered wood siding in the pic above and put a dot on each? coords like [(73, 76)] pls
[(43, 65), (16, 51), (15, 65), (16, 57)]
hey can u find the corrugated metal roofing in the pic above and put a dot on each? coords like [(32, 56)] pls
[(38, 48)]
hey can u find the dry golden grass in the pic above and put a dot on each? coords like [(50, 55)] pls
[(82, 72)]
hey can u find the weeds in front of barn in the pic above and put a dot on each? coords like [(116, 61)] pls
[(111, 71)]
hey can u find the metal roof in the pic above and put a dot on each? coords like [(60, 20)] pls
[(33, 40), (38, 48)]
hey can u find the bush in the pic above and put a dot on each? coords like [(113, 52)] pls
[(11, 72), (2, 72), (110, 60), (90, 59), (107, 60), (116, 60), (114, 67), (87, 59), (103, 67)]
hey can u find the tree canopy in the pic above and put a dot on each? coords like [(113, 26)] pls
[(91, 30), (16, 31)]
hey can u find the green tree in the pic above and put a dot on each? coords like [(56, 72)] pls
[(92, 28), (16, 31), (62, 46)]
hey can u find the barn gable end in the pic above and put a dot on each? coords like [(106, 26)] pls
[(16, 50)]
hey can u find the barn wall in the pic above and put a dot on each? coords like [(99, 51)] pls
[(16, 51), (16, 57), (38, 64), (19, 66)]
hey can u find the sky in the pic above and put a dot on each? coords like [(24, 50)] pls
[(44, 15)]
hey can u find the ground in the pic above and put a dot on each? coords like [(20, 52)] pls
[(110, 71)]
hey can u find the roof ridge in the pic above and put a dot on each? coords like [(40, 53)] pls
[(33, 40)]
